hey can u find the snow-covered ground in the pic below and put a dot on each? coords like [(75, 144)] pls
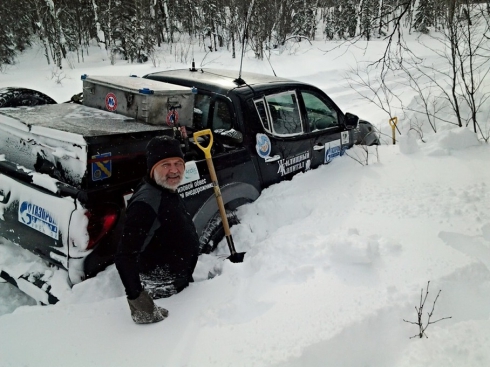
[(336, 258)]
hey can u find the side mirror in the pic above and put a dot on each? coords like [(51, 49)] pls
[(351, 121)]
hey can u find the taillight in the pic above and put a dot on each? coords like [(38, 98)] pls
[(100, 221)]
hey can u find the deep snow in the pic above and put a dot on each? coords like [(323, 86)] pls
[(336, 258)]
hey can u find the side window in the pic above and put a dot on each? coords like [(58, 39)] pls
[(221, 116), (320, 115), (202, 105), (284, 113), (279, 113)]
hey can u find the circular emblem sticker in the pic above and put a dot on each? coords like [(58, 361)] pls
[(263, 145), (110, 102), (172, 117)]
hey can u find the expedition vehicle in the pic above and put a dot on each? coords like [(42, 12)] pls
[(67, 170)]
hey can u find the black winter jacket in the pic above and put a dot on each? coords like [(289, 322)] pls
[(158, 235)]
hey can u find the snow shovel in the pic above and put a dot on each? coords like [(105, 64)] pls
[(235, 257)]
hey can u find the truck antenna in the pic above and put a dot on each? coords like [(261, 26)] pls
[(193, 67), (239, 80)]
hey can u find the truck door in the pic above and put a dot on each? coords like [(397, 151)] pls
[(283, 148), (324, 127)]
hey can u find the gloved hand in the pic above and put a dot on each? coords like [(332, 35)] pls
[(144, 310)]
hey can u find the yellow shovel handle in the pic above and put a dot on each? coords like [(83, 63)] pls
[(206, 150), (234, 256)]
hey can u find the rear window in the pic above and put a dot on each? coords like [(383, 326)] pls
[(261, 110)]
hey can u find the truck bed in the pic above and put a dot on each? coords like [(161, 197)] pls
[(73, 143)]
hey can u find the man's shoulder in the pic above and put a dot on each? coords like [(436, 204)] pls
[(148, 194)]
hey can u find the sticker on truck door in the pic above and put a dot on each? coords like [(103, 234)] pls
[(101, 168), (38, 218), (192, 184), (332, 150), (345, 137), (263, 145), (191, 173), (292, 164)]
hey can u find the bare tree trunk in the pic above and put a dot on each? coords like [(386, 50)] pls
[(380, 15), (167, 22), (109, 22), (453, 41), (97, 23), (42, 32), (59, 38), (213, 31), (313, 24), (233, 30), (473, 64)]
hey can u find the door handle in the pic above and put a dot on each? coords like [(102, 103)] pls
[(319, 147), (4, 198), (273, 159)]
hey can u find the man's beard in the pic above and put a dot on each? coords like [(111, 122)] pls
[(161, 181)]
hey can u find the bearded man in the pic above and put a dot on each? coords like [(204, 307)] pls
[(159, 247)]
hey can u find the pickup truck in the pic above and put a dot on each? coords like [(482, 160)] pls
[(68, 169)]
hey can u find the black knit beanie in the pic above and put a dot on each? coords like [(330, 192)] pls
[(162, 147)]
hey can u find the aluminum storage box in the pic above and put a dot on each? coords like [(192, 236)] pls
[(148, 101)]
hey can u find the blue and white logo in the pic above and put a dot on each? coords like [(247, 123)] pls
[(191, 172), (38, 218), (332, 150), (263, 145)]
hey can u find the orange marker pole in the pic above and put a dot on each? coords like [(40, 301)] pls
[(393, 122)]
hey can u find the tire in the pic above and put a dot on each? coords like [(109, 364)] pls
[(214, 232), (367, 134), (23, 97)]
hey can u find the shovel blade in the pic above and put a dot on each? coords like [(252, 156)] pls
[(236, 257)]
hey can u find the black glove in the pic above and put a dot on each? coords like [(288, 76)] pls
[(144, 310)]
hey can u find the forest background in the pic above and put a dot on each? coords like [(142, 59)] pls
[(134, 29), (150, 30)]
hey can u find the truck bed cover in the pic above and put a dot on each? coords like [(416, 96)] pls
[(72, 118)]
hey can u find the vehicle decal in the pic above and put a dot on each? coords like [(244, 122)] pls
[(101, 169), (38, 218), (191, 173), (263, 145), (194, 188), (332, 150), (293, 164), (111, 102), (172, 117), (345, 137)]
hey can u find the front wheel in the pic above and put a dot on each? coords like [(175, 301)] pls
[(367, 134), (214, 232)]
